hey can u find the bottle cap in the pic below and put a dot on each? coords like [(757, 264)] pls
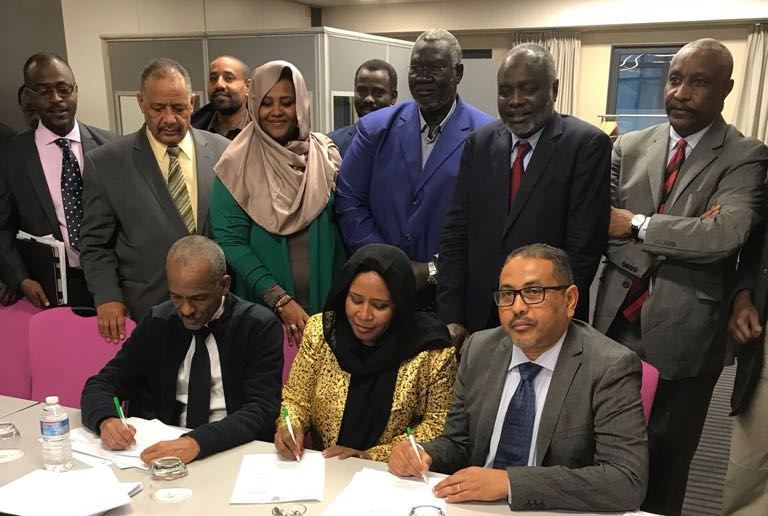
[(51, 400)]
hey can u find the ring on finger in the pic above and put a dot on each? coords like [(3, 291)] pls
[(292, 327), (458, 488)]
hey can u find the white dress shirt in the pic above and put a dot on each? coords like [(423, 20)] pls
[(218, 405), (426, 144), (691, 142), (532, 141), (547, 361)]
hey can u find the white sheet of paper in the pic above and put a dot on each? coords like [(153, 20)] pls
[(267, 478), (148, 432), (74, 493), (380, 493)]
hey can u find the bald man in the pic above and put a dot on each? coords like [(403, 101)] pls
[(227, 110), (685, 197)]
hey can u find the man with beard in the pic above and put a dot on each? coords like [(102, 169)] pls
[(397, 177), (533, 176), (41, 184), (228, 85), (375, 88), (685, 197), (210, 362), (143, 192)]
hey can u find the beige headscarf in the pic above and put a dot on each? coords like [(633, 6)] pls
[(282, 188)]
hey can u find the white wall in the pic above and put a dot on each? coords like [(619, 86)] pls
[(85, 21), (523, 14)]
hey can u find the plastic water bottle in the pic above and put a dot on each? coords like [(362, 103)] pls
[(54, 431)]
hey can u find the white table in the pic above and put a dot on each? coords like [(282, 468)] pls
[(10, 405), (213, 478)]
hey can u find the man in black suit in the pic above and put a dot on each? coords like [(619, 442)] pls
[(229, 80), (143, 192), (210, 361), (375, 88), (533, 176), (41, 180)]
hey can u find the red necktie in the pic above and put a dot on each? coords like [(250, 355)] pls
[(638, 291), (516, 178)]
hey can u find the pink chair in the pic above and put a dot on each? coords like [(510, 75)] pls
[(15, 377), (65, 349), (648, 388), (290, 350)]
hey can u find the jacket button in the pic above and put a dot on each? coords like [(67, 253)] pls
[(408, 237), (626, 284), (415, 202)]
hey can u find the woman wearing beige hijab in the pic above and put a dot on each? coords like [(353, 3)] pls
[(271, 203)]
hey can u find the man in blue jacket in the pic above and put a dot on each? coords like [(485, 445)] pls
[(397, 177)]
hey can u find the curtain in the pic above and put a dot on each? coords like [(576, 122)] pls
[(752, 109), (566, 49)]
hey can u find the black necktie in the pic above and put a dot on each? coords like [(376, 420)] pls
[(199, 390), (71, 192), (517, 431)]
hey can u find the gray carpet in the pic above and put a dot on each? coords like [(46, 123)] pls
[(705, 482)]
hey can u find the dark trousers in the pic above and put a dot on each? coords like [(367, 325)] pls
[(77, 289), (674, 428)]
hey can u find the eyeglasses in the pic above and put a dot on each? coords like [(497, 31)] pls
[(426, 510), (426, 70), (62, 89), (531, 295)]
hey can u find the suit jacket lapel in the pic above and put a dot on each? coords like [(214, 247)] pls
[(656, 167), (568, 364), (148, 168), (452, 136), (86, 139), (33, 168), (542, 154), (409, 133), (700, 157), (496, 376), (204, 162)]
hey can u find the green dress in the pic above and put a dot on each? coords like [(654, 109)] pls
[(260, 259)]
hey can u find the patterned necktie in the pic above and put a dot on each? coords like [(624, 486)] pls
[(178, 188), (517, 430), (523, 148), (71, 191), (199, 389), (638, 291)]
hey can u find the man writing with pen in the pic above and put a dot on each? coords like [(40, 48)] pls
[(205, 360), (546, 412)]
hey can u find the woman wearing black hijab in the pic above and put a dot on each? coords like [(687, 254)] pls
[(369, 365)]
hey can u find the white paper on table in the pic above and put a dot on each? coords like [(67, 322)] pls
[(148, 432), (74, 493), (267, 478), (90, 460), (380, 493)]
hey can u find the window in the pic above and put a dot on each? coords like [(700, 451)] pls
[(636, 85)]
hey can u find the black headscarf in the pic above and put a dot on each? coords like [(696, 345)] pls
[(374, 369)]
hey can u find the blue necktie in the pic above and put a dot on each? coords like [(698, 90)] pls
[(71, 191), (515, 442)]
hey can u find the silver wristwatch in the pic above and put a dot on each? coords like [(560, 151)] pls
[(432, 277)]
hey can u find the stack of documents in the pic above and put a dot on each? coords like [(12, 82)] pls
[(74, 493), (148, 432), (379, 492), (267, 478), (46, 259)]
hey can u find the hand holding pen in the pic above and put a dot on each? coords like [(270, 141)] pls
[(289, 440), (115, 432)]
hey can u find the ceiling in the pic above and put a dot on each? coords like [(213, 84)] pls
[(332, 3)]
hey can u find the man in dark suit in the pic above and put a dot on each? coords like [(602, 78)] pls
[(229, 81), (745, 492), (546, 411), (686, 195), (533, 176), (375, 88), (143, 192), (41, 181), (211, 362), (397, 177)]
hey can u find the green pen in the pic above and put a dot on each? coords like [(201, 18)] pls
[(290, 429), (409, 433), (120, 411)]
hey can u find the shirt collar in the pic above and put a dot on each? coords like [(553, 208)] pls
[(532, 139), (218, 313), (187, 145), (46, 136), (547, 360), (691, 141), (440, 126), (213, 126)]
